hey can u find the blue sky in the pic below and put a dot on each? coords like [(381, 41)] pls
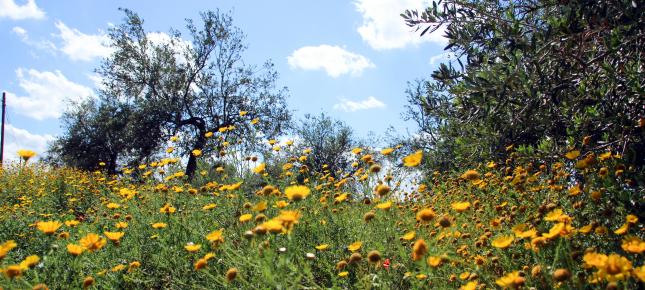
[(350, 59)]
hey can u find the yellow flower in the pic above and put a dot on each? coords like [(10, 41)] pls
[(470, 175), (530, 233), (367, 158), (133, 265), (209, 206), (555, 231), (425, 215), (633, 245), (374, 256), (288, 218), (414, 159), (461, 206), (553, 215), (511, 281), (121, 225), (167, 209), (260, 169), (575, 190), (503, 242), (273, 226), (196, 152), (341, 197), (572, 154), (343, 274), (322, 247), (409, 236), (594, 259), (191, 248), (586, 229), (93, 242), (615, 268), (200, 264), (72, 223), (87, 282), (387, 151), (118, 268), (29, 262), (260, 206), (159, 225), (245, 217), (622, 230), (113, 205), (472, 285), (216, 237), (6, 247), (434, 261), (631, 219), (464, 275), (114, 236), (231, 274), (382, 189), (385, 205), (13, 271), (49, 227), (355, 246), (26, 154), (208, 134), (281, 204), (75, 249), (419, 249), (357, 150), (297, 192), (639, 272)]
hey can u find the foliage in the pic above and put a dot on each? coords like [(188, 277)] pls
[(531, 72), (184, 88), (330, 141), (105, 131)]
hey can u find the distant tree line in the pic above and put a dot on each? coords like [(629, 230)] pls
[(200, 92), (154, 89)]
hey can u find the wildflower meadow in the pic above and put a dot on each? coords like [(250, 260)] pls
[(362, 144), (512, 225)]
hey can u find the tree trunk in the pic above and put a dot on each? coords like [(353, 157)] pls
[(191, 167), (112, 164)]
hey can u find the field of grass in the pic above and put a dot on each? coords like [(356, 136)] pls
[(569, 224)]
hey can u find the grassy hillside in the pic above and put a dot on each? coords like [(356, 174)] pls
[(569, 224)]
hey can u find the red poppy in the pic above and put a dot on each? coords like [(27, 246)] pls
[(386, 264)]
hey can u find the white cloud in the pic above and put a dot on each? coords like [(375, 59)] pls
[(383, 27), (22, 139), (10, 9), (178, 46), (353, 106), (84, 47), (40, 44), (333, 59), (21, 32), (47, 94)]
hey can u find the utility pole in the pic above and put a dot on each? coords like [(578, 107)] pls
[(4, 105)]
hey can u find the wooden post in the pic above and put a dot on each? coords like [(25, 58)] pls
[(4, 105)]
